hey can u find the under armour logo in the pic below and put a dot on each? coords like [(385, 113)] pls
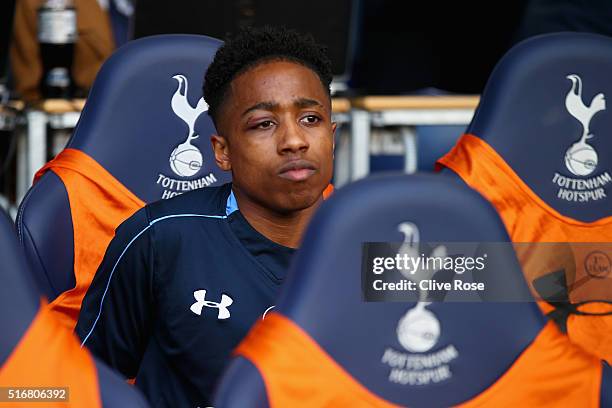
[(200, 297)]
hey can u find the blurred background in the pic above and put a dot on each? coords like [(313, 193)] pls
[(407, 74)]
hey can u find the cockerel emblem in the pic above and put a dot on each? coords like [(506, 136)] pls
[(581, 159), (419, 329), (186, 159)]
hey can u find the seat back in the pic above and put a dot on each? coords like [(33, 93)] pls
[(433, 142), (145, 120), (544, 111), (146, 124), (324, 294)]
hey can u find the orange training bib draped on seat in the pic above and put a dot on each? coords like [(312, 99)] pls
[(297, 372), (98, 204), (49, 355), (529, 219)]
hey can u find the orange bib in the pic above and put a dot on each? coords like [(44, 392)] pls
[(529, 219), (329, 190), (49, 355), (98, 204), (297, 372)]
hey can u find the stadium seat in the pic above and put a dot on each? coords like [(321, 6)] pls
[(541, 138), (142, 136), (323, 345), (433, 141), (37, 351), (538, 148)]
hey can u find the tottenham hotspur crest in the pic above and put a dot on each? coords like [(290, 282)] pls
[(581, 158), (419, 329), (186, 159)]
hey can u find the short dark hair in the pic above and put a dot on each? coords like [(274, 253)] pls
[(253, 46)]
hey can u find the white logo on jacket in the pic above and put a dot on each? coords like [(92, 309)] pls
[(201, 302)]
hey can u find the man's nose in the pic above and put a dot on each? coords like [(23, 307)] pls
[(293, 139)]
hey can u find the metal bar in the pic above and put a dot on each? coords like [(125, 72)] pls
[(22, 182), (36, 143), (410, 146), (422, 117), (360, 144)]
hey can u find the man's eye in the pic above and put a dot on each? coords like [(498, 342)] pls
[(267, 124), (311, 119)]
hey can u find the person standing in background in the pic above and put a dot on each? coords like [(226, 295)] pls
[(102, 26)]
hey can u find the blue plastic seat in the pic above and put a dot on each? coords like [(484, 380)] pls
[(146, 124), (544, 111), (323, 295), (20, 302)]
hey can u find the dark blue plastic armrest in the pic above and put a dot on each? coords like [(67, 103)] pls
[(45, 232)]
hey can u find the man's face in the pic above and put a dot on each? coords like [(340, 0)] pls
[(276, 136)]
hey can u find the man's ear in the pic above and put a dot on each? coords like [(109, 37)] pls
[(221, 149)]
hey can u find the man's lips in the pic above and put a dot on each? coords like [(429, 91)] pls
[(297, 170)]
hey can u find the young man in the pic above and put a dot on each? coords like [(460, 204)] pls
[(184, 279)]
